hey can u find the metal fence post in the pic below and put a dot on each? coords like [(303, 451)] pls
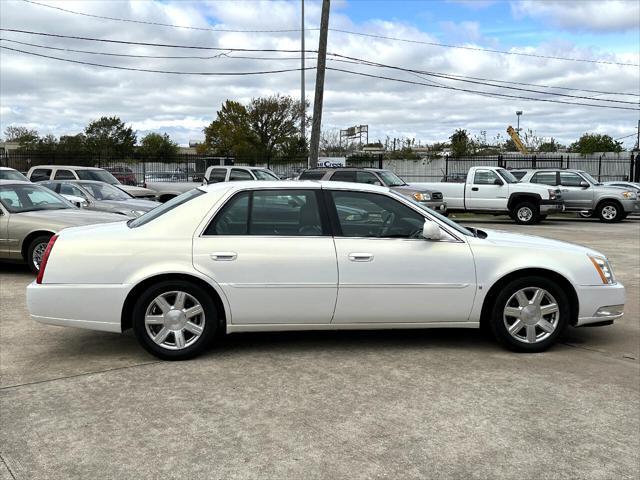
[(631, 168), (599, 167), (446, 167), (380, 164)]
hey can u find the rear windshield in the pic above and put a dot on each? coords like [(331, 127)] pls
[(312, 175), (164, 208)]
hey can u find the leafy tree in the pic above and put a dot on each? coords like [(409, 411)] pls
[(593, 142), (461, 144), (157, 146), (24, 136), (110, 136), (229, 134), (550, 146)]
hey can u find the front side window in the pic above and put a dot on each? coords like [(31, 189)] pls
[(518, 175), (269, 212), (507, 176), (363, 214), (485, 177), (545, 178), (237, 175), (570, 179), (30, 198), (344, 176), (40, 174), (391, 179), (64, 175), (368, 178), (218, 175), (70, 189)]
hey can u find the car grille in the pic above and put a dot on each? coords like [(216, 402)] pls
[(436, 196)]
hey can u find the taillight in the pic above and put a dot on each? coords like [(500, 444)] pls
[(45, 257)]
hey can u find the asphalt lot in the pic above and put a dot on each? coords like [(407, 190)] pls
[(404, 404)]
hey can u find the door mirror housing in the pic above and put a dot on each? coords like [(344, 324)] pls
[(497, 181), (584, 184), (431, 230)]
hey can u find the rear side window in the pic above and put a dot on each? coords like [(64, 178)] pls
[(218, 175), (238, 175), (40, 174), (545, 178), (64, 175), (290, 213), (344, 176), (164, 208), (311, 175)]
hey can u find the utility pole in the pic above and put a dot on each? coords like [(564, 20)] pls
[(317, 101), (303, 103)]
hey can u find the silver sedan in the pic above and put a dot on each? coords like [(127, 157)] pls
[(101, 196)]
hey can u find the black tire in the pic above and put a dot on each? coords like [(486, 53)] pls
[(500, 329), (526, 213), (36, 243), (610, 212), (210, 320)]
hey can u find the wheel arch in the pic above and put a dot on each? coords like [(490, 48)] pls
[(516, 198), (126, 320), (609, 199), (30, 237), (562, 281)]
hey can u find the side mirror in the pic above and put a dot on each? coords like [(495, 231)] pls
[(497, 181), (584, 184), (205, 181), (431, 230)]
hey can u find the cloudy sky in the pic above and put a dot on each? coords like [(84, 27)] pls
[(61, 98)]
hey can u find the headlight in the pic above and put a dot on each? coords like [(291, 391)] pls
[(629, 195), (552, 194), (603, 268), (422, 197)]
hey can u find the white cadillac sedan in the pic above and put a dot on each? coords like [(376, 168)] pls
[(260, 256)]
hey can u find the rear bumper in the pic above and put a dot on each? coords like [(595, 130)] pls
[(96, 307), (551, 206), (600, 303)]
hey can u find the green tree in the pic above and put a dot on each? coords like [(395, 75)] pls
[(229, 134), (26, 137), (549, 147), (110, 136), (594, 142), (157, 146), (461, 144)]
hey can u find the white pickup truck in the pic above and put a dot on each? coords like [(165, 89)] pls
[(494, 190)]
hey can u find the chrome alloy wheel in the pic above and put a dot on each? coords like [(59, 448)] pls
[(38, 253), (174, 320), (524, 214), (531, 315), (609, 212)]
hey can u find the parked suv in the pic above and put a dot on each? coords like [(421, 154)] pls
[(584, 194), (215, 174), (377, 176)]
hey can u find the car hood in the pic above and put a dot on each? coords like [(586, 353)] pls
[(137, 191), (509, 239), (69, 217)]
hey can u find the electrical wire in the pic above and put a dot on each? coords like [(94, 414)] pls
[(626, 136)]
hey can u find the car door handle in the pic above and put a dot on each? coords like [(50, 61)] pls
[(360, 257), (224, 256), (475, 189)]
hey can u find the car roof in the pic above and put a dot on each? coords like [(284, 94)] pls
[(248, 167), (8, 168), (68, 167), (336, 169), (73, 180), (295, 184)]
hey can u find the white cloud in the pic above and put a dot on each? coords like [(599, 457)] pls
[(61, 98)]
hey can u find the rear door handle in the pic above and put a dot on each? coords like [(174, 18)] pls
[(475, 189), (360, 257), (223, 256)]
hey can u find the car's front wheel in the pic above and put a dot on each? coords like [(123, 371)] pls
[(610, 212), (526, 213), (35, 252), (530, 314), (175, 320)]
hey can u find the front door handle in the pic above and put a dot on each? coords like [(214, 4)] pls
[(360, 257), (475, 189), (223, 256)]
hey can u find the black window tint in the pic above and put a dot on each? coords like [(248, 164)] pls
[(569, 179), (40, 174), (344, 176), (362, 214), (269, 212), (218, 175), (368, 178), (311, 175), (518, 175), (485, 177), (64, 175), (545, 178), (238, 175)]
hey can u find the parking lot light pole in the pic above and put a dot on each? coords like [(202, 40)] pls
[(317, 101), (518, 113)]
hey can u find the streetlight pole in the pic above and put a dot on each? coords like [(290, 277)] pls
[(303, 103), (317, 101), (518, 113)]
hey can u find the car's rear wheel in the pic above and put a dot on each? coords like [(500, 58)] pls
[(175, 320), (610, 212), (530, 314), (526, 213), (35, 252)]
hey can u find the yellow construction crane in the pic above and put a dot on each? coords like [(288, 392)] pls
[(516, 139)]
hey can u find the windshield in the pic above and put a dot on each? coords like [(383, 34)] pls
[(443, 219), (12, 175), (390, 179), (99, 175), (164, 208), (589, 178), (265, 175), (30, 198), (104, 191), (507, 175)]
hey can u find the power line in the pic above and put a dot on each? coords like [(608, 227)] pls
[(495, 94), (480, 49), (148, 70), (626, 136), (159, 24), (348, 32)]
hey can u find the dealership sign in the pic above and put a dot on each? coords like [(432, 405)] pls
[(331, 162)]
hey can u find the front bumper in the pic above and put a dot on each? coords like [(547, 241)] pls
[(439, 206), (600, 303), (631, 206), (92, 306), (551, 206)]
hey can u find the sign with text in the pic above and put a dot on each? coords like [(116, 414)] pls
[(332, 162)]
